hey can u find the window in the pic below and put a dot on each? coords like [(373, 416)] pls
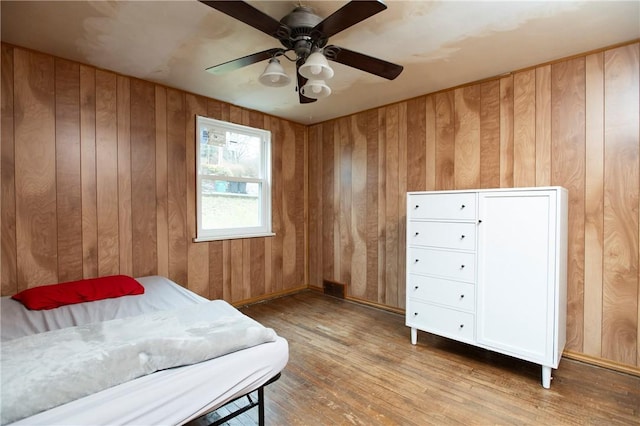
[(233, 183)]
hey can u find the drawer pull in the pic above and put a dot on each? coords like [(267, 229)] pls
[(461, 326), (416, 287), (461, 266), (462, 207), (462, 296), (417, 233), (415, 314), (416, 261), (462, 237), (417, 206)]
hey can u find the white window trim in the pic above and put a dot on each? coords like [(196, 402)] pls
[(265, 195)]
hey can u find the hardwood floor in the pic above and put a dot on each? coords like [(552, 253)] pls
[(354, 365)]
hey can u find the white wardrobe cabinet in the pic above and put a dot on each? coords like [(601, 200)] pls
[(488, 267)]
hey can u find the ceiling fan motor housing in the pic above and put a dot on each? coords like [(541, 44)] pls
[(297, 29)]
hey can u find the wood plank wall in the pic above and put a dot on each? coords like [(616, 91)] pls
[(98, 178), (573, 123)]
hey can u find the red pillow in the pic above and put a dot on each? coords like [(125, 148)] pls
[(55, 295)]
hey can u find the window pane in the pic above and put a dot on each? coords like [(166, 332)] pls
[(233, 182), (222, 208), (224, 153)]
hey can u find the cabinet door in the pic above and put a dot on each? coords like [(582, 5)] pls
[(516, 252)]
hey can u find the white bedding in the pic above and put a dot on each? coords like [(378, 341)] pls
[(172, 396)]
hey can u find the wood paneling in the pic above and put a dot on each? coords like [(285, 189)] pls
[(593, 226), (35, 168), (621, 176), (430, 151), (392, 209), (7, 184), (445, 140), (198, 253), (347, 236), (543, 125), (177, 187), (524, 129), (143, 179), (573, 123), (107, 173), (506, 132), (314, 204), (467, 137), (98, 177), (125, 237), (162, 183), (490, 134), (416, 153), (568, 170), (88, 172), (358, 265), (68, 182), (371, 288)]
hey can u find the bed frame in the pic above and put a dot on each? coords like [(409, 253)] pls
[(263, 363), (259, 402)]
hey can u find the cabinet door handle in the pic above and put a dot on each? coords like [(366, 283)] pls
[(462, 296), (416, 287), (417, 260), (479, 222), (416, 234), (461, 326), (415, 314), (461, 266), (462, 206), (417, 206)]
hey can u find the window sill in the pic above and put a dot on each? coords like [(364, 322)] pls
[(233, 237)]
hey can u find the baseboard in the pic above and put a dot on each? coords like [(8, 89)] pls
[(363, 302), (269, 296), (604, 363)]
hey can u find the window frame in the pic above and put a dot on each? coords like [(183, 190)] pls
[(264, 197)]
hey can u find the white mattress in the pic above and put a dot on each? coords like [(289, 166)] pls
[(168, 397)]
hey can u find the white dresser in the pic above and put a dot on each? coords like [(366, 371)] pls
[(489, 267)]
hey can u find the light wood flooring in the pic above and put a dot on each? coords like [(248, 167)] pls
[(354, 365)]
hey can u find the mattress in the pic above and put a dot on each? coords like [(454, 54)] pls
[(168, 397)]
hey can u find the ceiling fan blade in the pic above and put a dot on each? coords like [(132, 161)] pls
[(301, 82), (348, 15), (242, 62), (363, 62), (246, 13)]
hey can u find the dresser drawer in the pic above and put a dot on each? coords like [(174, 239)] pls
[(450, 206), (453, 235), (442, 321), (455, 294), (444, 263)]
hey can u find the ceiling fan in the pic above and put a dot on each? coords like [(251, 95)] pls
[(306, 35)]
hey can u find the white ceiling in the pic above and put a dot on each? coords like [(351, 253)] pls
[(441, 44)]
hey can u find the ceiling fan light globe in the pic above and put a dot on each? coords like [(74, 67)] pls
[(274, 75), (316, 89), (317, 67)]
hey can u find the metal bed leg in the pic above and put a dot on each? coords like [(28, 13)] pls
[(261, 406)]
